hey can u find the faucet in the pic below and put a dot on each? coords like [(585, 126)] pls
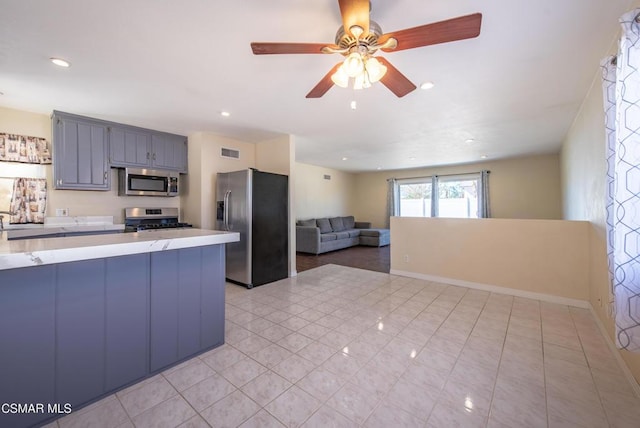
[(2, 217)]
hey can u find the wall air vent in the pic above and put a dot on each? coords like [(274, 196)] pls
[(327, 177), (230, 153)]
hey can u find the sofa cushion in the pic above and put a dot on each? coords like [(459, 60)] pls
[(342, 235), (336, 224), (324, 237), (349, 222), (324, 225), (353, 233), (311, 222)]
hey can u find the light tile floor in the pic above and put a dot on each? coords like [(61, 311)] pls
[(343, 347)]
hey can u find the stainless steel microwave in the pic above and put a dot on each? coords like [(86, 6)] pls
[(148, 182)]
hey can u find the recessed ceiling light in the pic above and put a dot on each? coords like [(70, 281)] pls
[(412, 158), (484, 157), (225, 114), (469, 140), (344, 159), (427, 85), (60, 62), (379, 168), (353, 105)]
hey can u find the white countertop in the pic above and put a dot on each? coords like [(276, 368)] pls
[(52, 230), (35, 252)]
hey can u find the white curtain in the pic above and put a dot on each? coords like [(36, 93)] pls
[(624, 189), (608, 66), (393, 201)]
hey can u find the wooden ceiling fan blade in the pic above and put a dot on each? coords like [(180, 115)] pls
[(394, 80), (269, 48), (355, 12), (325, 84), (463, 27)]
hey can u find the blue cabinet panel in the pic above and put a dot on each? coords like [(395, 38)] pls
[(212, 302), (75, 332), (27, 346), (80, 331), (79, 153), (129, 147), (163, 322), (127, 315), (190, 280)]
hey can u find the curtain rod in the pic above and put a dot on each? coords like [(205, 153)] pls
[(437, 175)]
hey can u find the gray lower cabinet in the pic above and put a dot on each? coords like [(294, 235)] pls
[(127, 289), (181, 282), (75, 332), (27, 340), (80, 331), (79, 153)]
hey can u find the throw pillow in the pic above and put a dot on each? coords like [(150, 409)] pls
[(311, 222), (324, 225), (349, 222), (336, 224)]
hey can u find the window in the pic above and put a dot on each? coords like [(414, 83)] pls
[(415, 197), (457, 196)]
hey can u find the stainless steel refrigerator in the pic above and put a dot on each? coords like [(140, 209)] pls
[(255, 204)]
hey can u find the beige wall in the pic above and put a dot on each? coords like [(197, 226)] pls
[(317, 197), (583, 167), (204, 155), (526, 187), (536, 256), (79, 203)]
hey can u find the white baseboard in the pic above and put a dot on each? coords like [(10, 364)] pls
[(616, 353), (293, 273), (496, 289)]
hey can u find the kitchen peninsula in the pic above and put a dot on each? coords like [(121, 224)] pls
[(81, 317)]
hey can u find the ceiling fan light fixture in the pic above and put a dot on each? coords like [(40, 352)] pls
[(375, 70), (353, 64), (340, 77), (361, 82)]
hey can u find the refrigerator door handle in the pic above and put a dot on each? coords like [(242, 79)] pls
[(227, 194)]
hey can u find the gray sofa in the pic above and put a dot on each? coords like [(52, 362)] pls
[(318, 236)]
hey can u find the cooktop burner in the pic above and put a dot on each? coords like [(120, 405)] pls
[(143, 219)]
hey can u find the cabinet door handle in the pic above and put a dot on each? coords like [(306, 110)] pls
[(154, 156), (148, 156), (106, 174)]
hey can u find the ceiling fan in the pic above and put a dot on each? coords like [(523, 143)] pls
[(359, 38)]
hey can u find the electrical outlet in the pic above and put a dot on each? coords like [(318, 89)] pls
[(406, 258), (62, 212)]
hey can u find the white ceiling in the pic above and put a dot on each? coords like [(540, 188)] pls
[(175, 65)]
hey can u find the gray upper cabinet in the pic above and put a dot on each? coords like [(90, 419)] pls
[(129, 148), (169, 152), (84, 150), (136, 147), (79, 153)]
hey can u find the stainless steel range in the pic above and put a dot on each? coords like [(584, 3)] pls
[(142, 219)]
